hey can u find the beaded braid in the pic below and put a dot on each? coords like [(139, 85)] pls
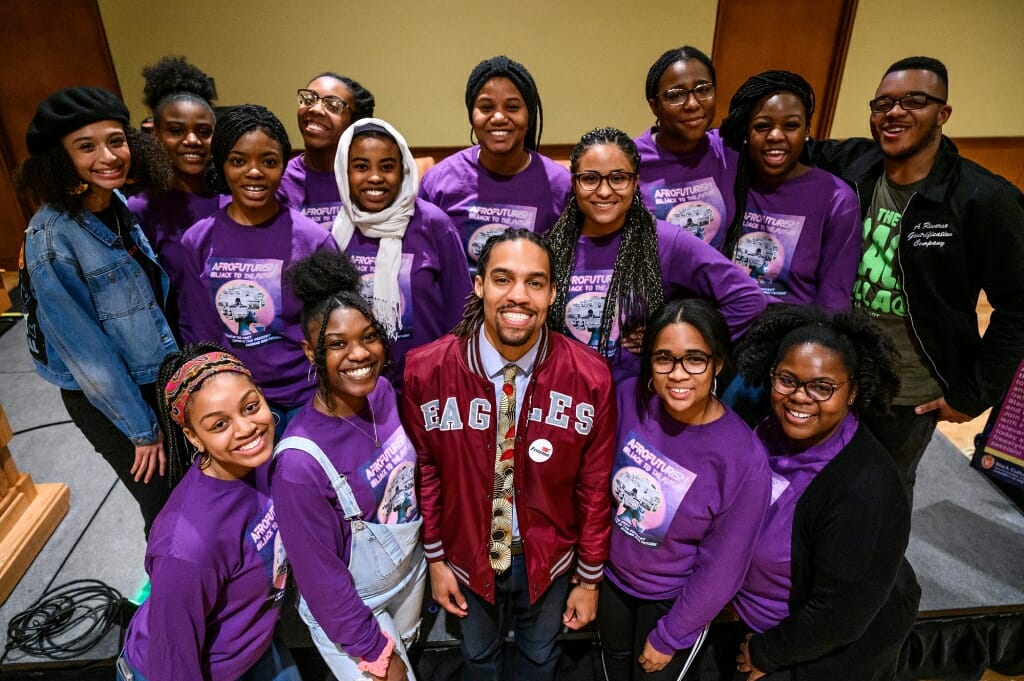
[(734, 132), (363, 97), (658, 68), (502, 66), (234, 123), (173, 79), (636, 285)]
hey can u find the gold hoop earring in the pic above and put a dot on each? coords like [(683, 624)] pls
[(79, 189)]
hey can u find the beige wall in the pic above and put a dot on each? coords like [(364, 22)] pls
[(590, 58), (980, 41)]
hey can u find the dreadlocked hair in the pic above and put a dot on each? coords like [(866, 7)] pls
[(234, 123), (326, 281), (636, 285), (473, 310), (658, 68), (502, 66), (179, 459), (734, 132), (868, 354), (172, 79), (363, 97)]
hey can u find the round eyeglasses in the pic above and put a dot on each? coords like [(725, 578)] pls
[(817, 389), (911, 101), (678, 96), (617, 180), (333, 105), (694, 363)]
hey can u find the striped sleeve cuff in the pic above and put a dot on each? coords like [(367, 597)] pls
[(433, 551), (588, 572)]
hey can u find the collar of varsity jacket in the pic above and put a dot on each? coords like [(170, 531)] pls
[(471, 351)]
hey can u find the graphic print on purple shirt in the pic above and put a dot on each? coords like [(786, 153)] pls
[(246, 293), (695, 205), (648, 488), (364, 260), (267, 540), (391, 476), (766, 249), (584, 304), (484, 220)]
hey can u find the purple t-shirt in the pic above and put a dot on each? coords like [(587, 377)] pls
[(311, 192), (218, 572), (433, 280), (236, 295), (313, 524), (692, 190), (800, 240), (481, 203), (689, 502), (164, 217), (689, 268), (763, 600)]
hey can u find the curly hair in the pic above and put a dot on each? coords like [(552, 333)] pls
[(326, 281), (868, 354), (658, 68), (363, 97), (503, 67), (636, 286), (50, 177), (172, 79), (234, 123)]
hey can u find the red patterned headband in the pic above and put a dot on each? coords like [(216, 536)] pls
[(190, 375)]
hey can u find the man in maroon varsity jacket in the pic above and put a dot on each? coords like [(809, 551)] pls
[(563, 452)]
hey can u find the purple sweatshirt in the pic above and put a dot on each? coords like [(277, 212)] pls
[(310, 192), (800, 241), (692, 190), (689, 504), (481, 203), (763, 601), (434, 280), (313, 524), (218, 572), (164, 217), (236, 295), (689, 268)]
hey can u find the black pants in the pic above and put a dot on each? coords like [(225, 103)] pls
[(624, 623), (905, 435), (118, 450)]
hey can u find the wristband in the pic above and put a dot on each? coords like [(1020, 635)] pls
[(379, 667)]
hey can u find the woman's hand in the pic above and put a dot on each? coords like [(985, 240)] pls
[(652, 660), (744, 664), (396, 669), (634, 341), (149, 459)]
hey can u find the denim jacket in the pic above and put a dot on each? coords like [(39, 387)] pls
[(94, 322)]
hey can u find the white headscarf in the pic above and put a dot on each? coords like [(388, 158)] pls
[(388, 225)]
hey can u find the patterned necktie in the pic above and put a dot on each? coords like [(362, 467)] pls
[(499, 548)]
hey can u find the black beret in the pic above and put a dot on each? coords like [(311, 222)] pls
[(68, 110)]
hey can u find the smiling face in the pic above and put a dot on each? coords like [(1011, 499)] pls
[(184, 129), (803, 420), (320, 128), (354, 358), (228, 419), (686, 397), (516, 290), (374, 172), (500, 118), (101, 158), (253, 171), (681, 128), (776, 134), (604, 209), (903, 134)]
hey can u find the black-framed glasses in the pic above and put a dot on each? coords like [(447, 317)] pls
[(332, 104), (817, 389), (911, 101), (677, 96), (694, 363), (617, 180)]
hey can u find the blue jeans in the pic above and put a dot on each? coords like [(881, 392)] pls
[(275, 665), (535, 626)]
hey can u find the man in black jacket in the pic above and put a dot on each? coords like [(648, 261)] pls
[(937, 230)]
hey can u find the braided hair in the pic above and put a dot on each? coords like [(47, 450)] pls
[(172, 79), (234, 123), (363, 97), (473, 310), (734, 131), (658, 68), (636, 286), (326, 281), (867, 352), (502, 66)]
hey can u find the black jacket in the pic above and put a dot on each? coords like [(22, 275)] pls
[(961, 232)]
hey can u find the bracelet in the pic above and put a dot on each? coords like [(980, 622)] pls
[(379, 667), (588, 586)]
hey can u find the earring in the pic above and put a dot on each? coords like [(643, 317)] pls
[(714, 386), (650, 384), (472, 140), (744, 142), (311, 373), (80, 189)]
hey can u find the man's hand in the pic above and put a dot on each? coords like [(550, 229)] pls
[(744, 664), (652, 660), (445, 589), (148, 460), (580, 608), (946, 412)]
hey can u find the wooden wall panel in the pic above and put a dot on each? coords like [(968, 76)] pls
[(1002, 155)]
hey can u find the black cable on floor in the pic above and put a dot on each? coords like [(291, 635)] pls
[(40, 427)]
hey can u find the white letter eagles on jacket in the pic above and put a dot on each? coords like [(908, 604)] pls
[(478, 415)]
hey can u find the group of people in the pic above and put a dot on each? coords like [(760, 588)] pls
[(648, 390)]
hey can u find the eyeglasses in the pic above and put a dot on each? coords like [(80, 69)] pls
[(817, 389), (617, 180), (911, 101), (694, 363), (678, 96), (332, 105)]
